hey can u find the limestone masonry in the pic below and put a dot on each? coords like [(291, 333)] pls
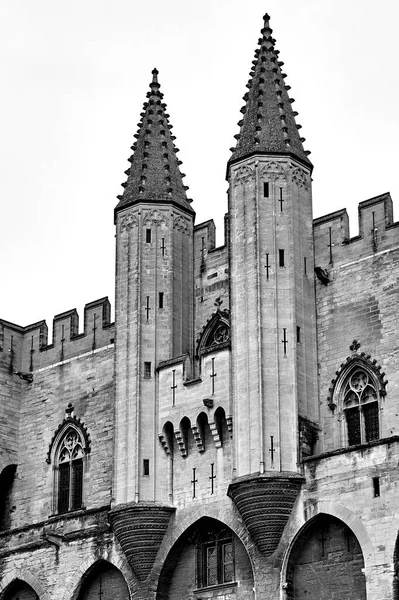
[(235, 433)]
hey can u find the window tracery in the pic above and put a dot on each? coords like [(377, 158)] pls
[(360, 405), (68, 452), (216, 333), (70, 472)]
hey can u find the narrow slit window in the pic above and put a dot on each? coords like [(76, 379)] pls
[(298, 334), (305, 266), (376, 487), (146, 467), (266, 189), (148, 236), (147, 370), (160, 301), (281, 258)]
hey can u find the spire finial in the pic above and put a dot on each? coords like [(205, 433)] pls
[(155, 75), (266, 19)]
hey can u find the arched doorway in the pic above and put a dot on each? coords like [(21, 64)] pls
[(206, 557), (103, 581), (19, 590), (326, 562)]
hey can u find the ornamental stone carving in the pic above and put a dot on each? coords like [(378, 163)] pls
[(273, 170), (300, 177), (181, 224), (243, 175), (154, 217), (128, 222)]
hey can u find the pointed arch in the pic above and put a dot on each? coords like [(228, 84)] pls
[(23, 576), (97, 574), (325, 555), (206, 554), (357, 390), (216, 333), (67, 453)]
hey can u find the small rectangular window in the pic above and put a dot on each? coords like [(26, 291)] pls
[(304, 266), (148, 236), (376, 486), (147, 370), (298, 335), (281, 258), (160, 303), (146, 466), (266, 189)]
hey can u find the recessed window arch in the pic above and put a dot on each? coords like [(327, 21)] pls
[(69, 471), (357, 393), (360, 404), (68, 454)]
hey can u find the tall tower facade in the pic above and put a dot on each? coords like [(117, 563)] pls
[(154, 313), (274, 362)]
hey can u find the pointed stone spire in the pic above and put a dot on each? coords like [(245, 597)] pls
[(268, 125), (154, 175)]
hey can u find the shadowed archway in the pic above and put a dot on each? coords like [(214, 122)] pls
[(206, 555), (326, 561)]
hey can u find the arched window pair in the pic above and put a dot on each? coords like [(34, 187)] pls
[(67, 453), (357, 392)]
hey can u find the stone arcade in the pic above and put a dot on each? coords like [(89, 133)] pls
[(234, 434)]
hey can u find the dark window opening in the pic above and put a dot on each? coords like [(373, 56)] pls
[(281, 258), (148, 236), (304, 265), (298, 335), (353, 422), (215, 562), (160, 303), (376, 487), (147, 370), (266, 189), (146, 467)]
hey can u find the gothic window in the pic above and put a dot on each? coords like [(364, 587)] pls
[(360, 407), (215, 559), (216, 333), (68, 452), (69, 471)]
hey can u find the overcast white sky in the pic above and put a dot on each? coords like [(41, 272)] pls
[(74, 77)]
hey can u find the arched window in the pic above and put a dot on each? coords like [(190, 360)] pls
[(68, 453), (360, 407), (215, 557), (357, 392), (69, 463)]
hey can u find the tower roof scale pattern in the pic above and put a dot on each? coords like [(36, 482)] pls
[(268, 125), (154, 175)]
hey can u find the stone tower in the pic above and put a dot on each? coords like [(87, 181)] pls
[(154, 313), (274, 362)]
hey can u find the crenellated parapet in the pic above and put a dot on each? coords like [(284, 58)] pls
[(25, 349), (377, 233)]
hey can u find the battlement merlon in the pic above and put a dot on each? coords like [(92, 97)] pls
[(28, 347), (377, 232)]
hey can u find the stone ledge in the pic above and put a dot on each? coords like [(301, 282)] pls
[(357, 448)]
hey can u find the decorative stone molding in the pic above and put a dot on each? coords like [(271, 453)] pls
[(243, 175), (215, 335), (363, 361), (154, 217), (128, 222), (198, 438), (164, 444), (181, 443), (140, 528), (229, 421), (74, 423), (265, 503), (273, 170), (181, 224), (215, 434), (299, 177)]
